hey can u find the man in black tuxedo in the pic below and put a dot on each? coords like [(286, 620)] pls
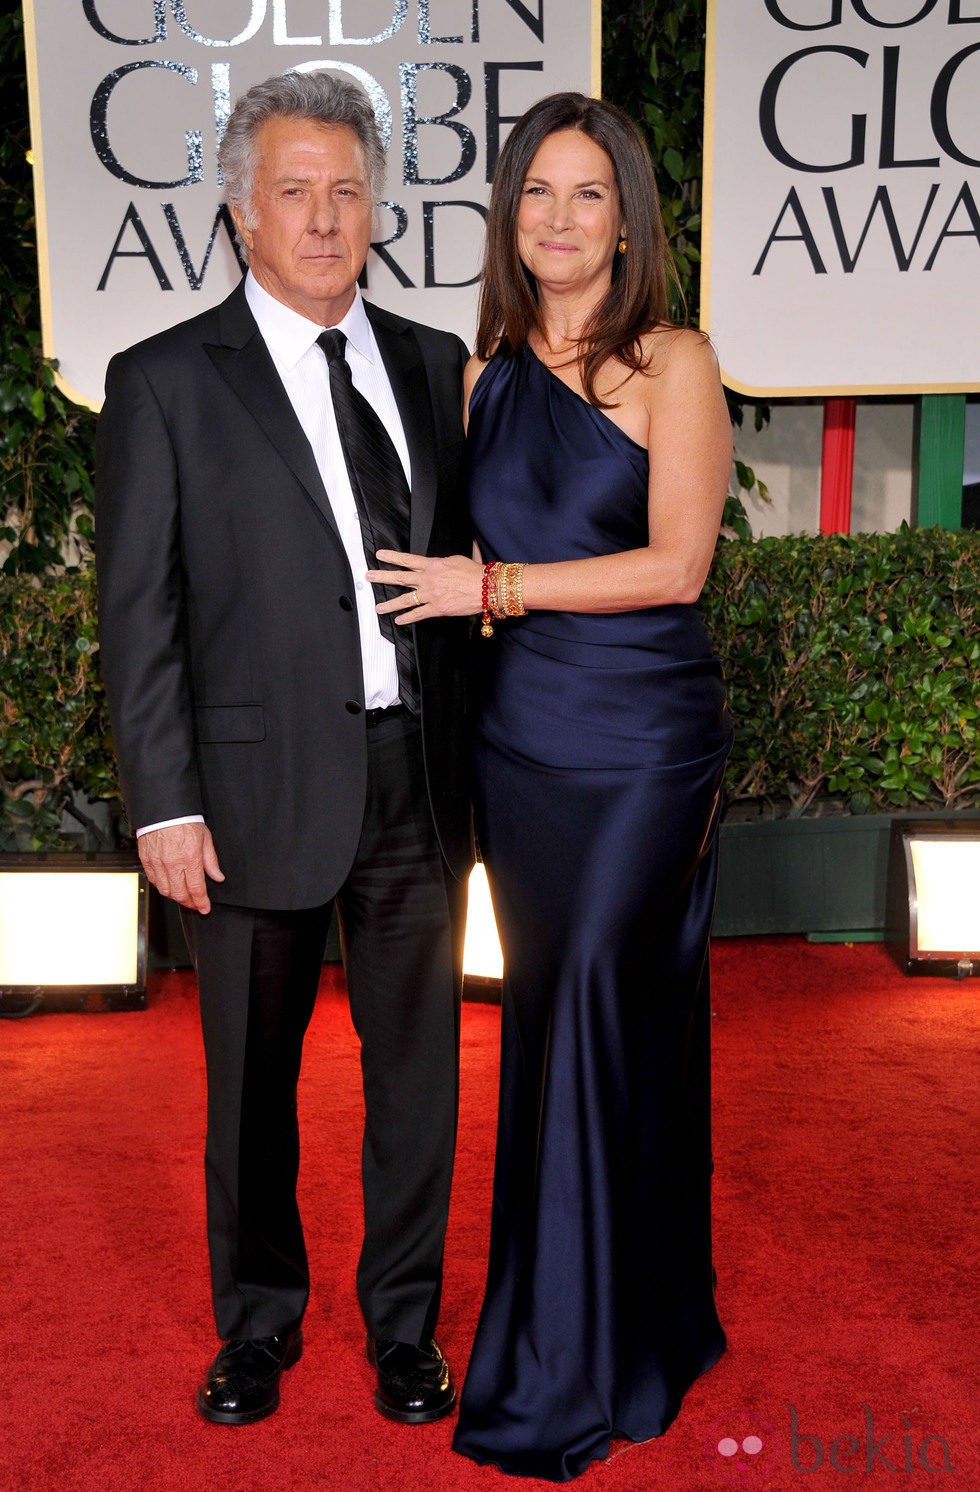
[(279, 751)]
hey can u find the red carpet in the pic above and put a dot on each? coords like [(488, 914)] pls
[(846, 1195)]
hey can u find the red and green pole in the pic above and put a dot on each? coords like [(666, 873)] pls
[(940, 428)]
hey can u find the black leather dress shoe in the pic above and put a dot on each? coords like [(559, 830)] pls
[(414, 1384), (243, 1381)]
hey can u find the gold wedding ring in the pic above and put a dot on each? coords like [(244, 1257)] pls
[(416, 598)]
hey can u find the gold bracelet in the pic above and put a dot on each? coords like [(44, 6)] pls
[(519, 607), (510, 591), (502, 594)]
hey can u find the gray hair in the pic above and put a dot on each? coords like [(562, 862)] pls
[(321, 97)]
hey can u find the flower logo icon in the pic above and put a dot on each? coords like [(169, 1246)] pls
[(742, 1447)]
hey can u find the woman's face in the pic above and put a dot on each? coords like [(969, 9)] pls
[(569, 219)]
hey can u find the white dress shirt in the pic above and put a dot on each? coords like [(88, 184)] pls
[(300, 363)]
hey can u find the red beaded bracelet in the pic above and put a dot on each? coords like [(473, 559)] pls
[(489, 571)]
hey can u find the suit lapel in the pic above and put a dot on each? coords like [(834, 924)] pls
[(243, 361), (409, 382)]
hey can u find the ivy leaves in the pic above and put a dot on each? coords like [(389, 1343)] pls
[(653, 67), (46, 460), (46, 443)]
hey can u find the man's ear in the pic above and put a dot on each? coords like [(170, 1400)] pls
[(244, 233)]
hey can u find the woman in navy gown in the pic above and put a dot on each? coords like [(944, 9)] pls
[(600, 456)]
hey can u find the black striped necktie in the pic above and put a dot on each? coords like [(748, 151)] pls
[(381, 493)]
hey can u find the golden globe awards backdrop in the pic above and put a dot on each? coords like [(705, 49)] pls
[(129, 99), (842, 195)]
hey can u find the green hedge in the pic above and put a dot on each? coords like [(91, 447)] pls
[(853, 668), (55, 724)]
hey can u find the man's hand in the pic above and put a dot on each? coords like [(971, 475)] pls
[(177, 858)]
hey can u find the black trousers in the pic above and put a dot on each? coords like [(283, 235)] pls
[(401, 916)]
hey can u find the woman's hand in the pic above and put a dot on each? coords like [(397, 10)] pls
[(433, 587)]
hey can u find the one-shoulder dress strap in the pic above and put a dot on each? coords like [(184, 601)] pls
[(485, 380)]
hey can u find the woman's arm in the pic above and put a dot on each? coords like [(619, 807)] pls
[(471, 373), (689, 443), (690, 448)]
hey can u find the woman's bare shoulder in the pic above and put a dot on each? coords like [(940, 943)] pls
[(678, 351)]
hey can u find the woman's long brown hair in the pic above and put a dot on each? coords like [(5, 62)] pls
[(638, 296)]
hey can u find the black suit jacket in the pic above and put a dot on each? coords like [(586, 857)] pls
[(229, 638)]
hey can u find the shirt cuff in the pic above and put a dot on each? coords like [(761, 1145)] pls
[(192, 818)]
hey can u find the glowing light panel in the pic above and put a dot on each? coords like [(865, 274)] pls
[(482, 956), (76, 929), (947, 894)]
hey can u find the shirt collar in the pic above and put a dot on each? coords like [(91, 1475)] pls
[(289, 336)]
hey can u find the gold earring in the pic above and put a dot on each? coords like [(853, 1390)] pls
[(622, 244)]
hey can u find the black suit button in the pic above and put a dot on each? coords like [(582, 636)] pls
[(352, 707), (346, 604)]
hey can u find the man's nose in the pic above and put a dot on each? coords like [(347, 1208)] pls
[(323, 214)]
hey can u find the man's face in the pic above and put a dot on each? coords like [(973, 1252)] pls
[(312, 214)]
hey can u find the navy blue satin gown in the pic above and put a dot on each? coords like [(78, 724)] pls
[(601, 742)]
